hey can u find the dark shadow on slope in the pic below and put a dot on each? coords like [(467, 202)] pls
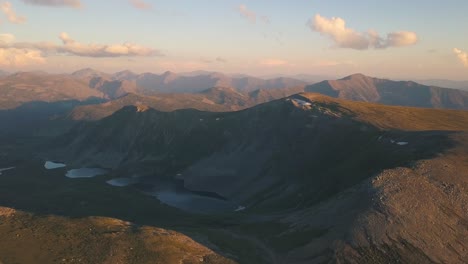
[(314, 155), (38, 118)]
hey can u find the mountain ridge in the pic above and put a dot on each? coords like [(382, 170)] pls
[(298, 159), (359, 87)]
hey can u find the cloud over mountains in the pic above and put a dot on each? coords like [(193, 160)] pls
[(16, 56), (72, 47), (22, 53), (462, 56), (344, 37)]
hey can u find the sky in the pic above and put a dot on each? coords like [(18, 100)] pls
[(419, 39)]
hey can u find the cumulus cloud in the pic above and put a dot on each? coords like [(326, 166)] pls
[(10, 13), (140, 4), (71, 47), (274, 63), (57, 3), (401, 39), (462, 56), (344, 37), (6, 39), (20, 57), (248, 14), (13, 57)]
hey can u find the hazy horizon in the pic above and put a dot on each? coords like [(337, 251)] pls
[(395, 40)]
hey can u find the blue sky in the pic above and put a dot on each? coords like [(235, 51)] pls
[(258, 37)]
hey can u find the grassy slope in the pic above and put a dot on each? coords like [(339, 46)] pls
[(398, 117), (59, 218)]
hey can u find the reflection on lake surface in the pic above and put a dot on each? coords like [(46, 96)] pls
[(171, 193), (193, 202), (6, 169), (85, 173), (122, 182), (50, 165)]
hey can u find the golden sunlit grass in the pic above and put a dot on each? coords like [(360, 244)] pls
[(397, 117)]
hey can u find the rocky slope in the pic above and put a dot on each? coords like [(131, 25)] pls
[(414, 214), (29, 239)]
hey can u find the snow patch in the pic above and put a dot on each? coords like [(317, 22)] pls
[(122, 182), (302, 102), (6, 169), (85, 173), (50, 165), (240, 208), (400, 143)]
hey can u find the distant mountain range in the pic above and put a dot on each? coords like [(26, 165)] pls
[(217, 99), (34, 98), (83, 84), (237, 92), (20, 88), (462, 85), (359, 87)]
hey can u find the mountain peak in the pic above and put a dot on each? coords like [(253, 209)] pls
[(356, 76), (169, 73), (87, 72), (126, 74)]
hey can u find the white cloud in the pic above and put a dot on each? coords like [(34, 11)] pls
[(462, 56), (71, 47), (6, 39), (57, 3), (274, 63), (401, 39), (248, 14), (344, 37), (140, 4), (20, 57), (14, 57), (11, 15)]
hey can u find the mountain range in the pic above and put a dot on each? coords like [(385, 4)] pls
[(237, 92), (354, 170), (343, 171), (359, 87), (462, 85)]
